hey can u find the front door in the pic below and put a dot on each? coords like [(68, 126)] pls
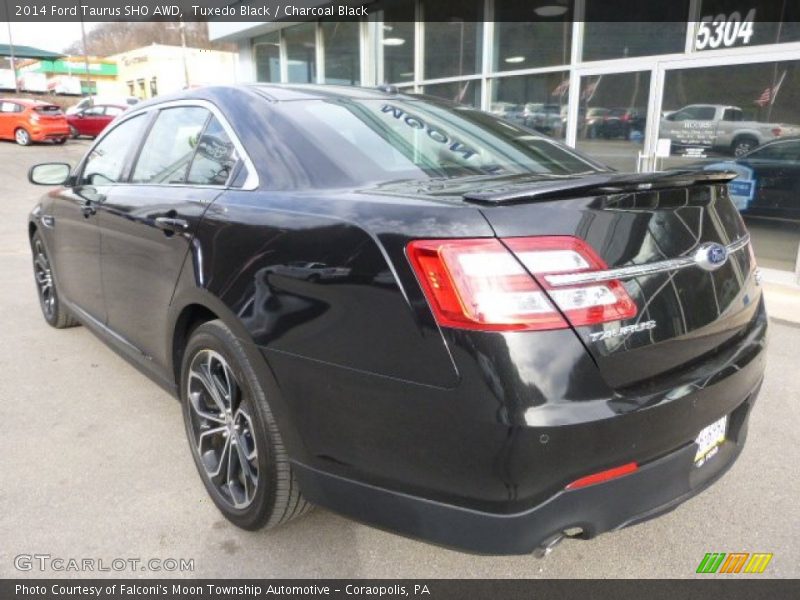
[(148, 224), (76, 237)]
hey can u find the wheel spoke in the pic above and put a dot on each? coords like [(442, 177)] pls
[(194, 401), (207, 380), (42, 263), (208, 432), (213, 474)]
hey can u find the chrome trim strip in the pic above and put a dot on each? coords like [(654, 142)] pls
[(672, 264)]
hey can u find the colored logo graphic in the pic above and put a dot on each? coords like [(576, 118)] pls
[(734, 562)]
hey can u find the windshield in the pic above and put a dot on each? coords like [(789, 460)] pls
[(385, 140)]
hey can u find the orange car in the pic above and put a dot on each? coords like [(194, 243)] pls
[(26, 121)]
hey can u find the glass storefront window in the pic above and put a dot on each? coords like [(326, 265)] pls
[(612, 116), (650, 28), (535, 101), (743, 118), (267, 57), (342, 54), (734, 23), (397, 43), (461, 92), (523, 43), (452, 44), (301, 53)]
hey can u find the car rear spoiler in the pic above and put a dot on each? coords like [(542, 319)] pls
[(600, 183)]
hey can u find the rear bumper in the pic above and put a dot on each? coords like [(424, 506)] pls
[(40, 134), (657, 487)]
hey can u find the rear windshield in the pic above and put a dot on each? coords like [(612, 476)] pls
[(384, 140), (49, 110)]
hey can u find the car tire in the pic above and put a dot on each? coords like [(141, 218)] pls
[(743, 145), (22, 137), (53, 310), (260, 489), (73, 133)]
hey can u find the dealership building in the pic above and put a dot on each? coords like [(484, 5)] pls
[(696, 82)]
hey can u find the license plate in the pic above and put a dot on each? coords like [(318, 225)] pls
[(709, 440)]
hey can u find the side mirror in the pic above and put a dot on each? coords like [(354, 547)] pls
[(49, 174)]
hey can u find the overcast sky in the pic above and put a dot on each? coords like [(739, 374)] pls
[(48, 36)]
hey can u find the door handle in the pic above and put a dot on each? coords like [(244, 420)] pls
[(171, 224)]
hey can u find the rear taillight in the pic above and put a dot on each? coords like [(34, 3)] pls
[(584, 304), (478, 284), (501, 285), (33, 118), (777, 131)]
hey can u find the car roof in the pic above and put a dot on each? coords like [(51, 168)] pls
[(280, 93)]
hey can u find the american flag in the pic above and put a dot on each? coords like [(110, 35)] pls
[(591, 88), (562, 88), (767, 97)]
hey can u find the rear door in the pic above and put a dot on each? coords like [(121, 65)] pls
[(92, 121), (148, 223)]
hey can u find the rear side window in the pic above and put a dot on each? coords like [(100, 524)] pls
[(732, 114), (169, 148), (10, 107), (113, 111), (106, 161), (214, 158)]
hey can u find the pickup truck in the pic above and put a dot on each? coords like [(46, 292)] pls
[(721, 128)]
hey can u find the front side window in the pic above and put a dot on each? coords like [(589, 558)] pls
[(170, 145), (106, 162), (694, 113)]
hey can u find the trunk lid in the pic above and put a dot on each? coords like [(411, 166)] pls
[(674, 241)]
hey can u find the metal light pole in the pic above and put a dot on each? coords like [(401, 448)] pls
[(182, 28), (86, 58), (13, 58)]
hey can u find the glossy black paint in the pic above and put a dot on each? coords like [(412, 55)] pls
[(366, 387)]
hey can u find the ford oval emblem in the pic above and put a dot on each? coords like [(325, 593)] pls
[(711, 256)]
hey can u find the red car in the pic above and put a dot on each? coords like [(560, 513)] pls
[(27, 121), (92, 120)]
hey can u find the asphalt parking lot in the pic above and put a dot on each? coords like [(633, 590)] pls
[(95, 465)]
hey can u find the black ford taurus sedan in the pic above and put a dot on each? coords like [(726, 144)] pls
[(416, 314)]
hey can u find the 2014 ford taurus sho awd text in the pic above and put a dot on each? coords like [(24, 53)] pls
[(413, 313)]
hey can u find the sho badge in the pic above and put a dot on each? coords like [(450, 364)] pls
[(614, 333)]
